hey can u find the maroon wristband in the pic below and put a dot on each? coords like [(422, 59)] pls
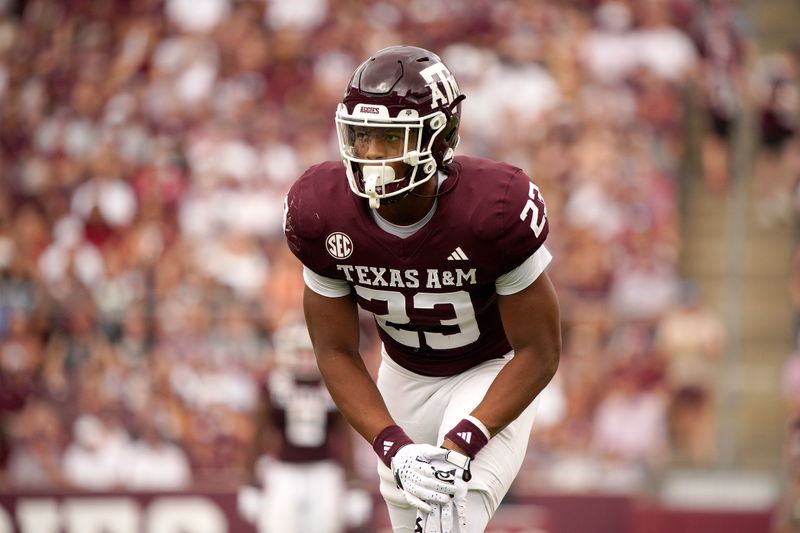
[(467, 436), (388, 442)]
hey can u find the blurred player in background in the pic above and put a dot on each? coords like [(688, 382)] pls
[(447, 254), (302, 451)]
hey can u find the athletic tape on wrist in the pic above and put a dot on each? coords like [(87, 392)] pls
[(388, 442), (468, 436)]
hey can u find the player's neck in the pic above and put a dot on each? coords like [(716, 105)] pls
[(411, 208)]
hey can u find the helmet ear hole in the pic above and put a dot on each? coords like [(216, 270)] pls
[(437, 121)]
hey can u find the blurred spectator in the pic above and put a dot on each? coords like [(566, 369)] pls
[(643, 273), (608, 51), (20, 360), (305, 15), (95, 459), (630, 424), (776, 87), (196, 16), (721, 36), (70, 261), (691, 339), (151, 461), (105, 201), (662, 48), (38, 441)]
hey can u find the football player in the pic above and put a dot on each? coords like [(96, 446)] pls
[(447, 253), (309, 480)]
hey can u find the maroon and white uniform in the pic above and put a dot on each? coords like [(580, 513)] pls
[(305, 415), (434, 293), (432, 289), (305, 486), (432, 286)]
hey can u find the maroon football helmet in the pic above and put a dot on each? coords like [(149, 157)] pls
[(405, 94)]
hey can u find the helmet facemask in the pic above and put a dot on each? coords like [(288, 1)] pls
[(408, 139)]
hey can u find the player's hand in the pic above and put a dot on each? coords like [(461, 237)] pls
[(430, 522), (459, 504), (453, 515), (423, 474), (460, 497), (444, 517)]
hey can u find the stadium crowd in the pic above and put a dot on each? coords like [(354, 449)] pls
[(145, 149)]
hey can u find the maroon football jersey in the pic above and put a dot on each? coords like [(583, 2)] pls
[(432, 294), (305, 415)]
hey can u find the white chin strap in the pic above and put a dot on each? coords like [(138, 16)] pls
[(376, 176)]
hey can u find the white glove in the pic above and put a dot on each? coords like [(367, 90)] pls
[(449, 517), (430, 522), (459, 501), (424, 476)]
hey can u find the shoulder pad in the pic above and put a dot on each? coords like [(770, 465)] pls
[(510, 211), (302, 215), (489, 183)]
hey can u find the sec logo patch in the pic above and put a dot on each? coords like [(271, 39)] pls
[(339, 245)]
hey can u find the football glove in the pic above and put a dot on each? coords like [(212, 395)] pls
[(430, 522), (459, 504), (451, 517), (423, 474)]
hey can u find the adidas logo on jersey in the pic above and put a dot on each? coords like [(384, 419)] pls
[(457, 255), (387, 445), (466, 435)]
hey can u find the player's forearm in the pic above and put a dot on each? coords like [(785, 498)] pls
[(516, 386), (355, 393)]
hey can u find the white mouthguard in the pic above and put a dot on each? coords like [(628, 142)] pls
[(376, 176)]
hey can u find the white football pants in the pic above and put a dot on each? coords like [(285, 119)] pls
[(303, 497)]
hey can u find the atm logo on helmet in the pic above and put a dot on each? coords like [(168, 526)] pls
[(438, 73), (339, 245)]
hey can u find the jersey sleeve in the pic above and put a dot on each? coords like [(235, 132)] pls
[(330, 287), (524, 226), (525, 274), (303, 232)]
